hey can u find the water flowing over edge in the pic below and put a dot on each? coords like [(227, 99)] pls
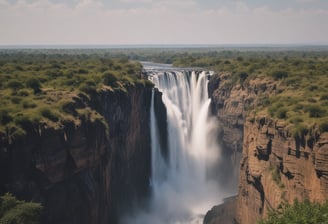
[(182, 189)]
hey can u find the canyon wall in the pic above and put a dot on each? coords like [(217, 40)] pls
[(277, 168), (274, 166), (82, 172)]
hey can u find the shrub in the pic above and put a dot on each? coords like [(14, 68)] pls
[(298, 107), (109, 78), (14, 85), (301, 213), (312, 88), (34, 84), (323, 127), (282, 113), (279, 74), (88, 89), (242, 77), (68, 107), (13, 211), (47, 113), (5, 117), (324, 97), (299, 130), (26, 121), (315, 111), (296, 120), (23, 92), (16, 100), (28, 104), (275, 174)]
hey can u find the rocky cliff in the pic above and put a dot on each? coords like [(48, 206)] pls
[(80, 172), (275, 167), (278, 168)]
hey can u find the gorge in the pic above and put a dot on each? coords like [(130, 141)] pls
[(184, 171), (124, 150)]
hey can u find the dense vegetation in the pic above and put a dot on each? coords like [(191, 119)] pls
[(40, 87), (13, 211), (300, 213), (301, 78), (38, 84)]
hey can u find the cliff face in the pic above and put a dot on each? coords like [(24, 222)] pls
[(80, 174), (278, 168), (229, 103), (275, 167)]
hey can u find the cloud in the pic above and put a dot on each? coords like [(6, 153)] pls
[(162, 22)]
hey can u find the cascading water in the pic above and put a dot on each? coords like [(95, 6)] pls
[(182, 190)]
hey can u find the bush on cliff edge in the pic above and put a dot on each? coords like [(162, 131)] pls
[(300, 213)]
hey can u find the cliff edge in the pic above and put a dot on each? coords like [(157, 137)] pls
[(86, 171), (276, 165)]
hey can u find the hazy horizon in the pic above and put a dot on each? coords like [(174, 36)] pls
[(163, 22), (310, 46)]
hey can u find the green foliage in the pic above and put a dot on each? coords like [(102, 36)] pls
[(14, 85), (282, 113), (315, 111), (5, 117), (87, 88), (13, 211), (26, 121), (300, 213), (275, 174), (299, 130), (279, 74), (50, 114), (300, 77), (49, 85), (323, 127), (23, 92), (68, 106), (109, 78), (34, 84)]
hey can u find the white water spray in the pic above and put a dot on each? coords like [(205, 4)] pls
[(182, 192)]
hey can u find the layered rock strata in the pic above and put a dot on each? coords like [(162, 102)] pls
[(80, 172), (275, 167)]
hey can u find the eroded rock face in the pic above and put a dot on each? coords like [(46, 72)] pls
[(274, 166), (229, 104), (277, 168), (77, 172)]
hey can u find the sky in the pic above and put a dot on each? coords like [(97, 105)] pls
[(121, 22)]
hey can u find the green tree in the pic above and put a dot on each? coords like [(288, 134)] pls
[(34, 84), (109, 78), (279, 74), (14, 85), (13, 211), (300, 213)]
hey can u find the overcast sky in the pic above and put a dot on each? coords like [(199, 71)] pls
[(163, 22)]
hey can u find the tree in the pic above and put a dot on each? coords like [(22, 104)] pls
[(109, 78), (13, 211), (301, 213), (279, 74), (34, 84), (14, 85)]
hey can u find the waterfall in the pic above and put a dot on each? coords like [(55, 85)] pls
[(182, 190)]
